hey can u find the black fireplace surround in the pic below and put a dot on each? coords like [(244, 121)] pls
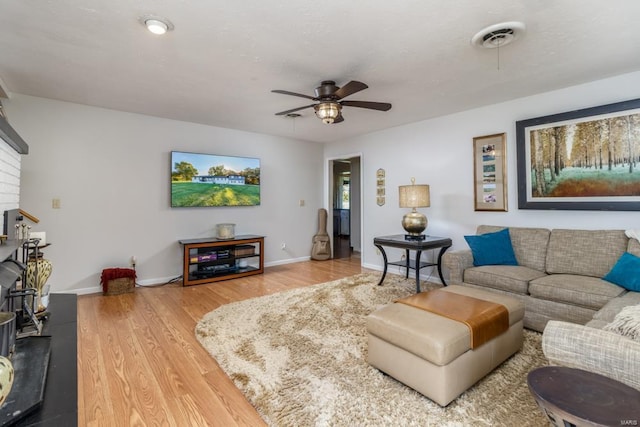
[(44, 391)]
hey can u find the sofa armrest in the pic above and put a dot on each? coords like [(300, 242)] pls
[(594, 350), (456, 262)]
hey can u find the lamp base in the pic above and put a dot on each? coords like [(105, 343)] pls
[(415, 237), (414, 223)]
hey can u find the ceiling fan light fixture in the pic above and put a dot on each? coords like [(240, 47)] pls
[(328, 112), (330, 101)]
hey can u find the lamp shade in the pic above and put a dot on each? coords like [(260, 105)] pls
[(414, 196), (328, 111)]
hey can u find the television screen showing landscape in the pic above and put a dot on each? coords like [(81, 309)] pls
[(212, 180)]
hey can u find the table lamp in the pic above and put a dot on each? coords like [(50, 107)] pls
[(414, 196)]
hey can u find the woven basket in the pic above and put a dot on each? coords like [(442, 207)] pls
[(119, 286)]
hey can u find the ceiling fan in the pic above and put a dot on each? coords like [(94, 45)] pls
[(329, 107)]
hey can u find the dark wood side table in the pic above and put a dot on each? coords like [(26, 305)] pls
[(399, 241), (573, 397)]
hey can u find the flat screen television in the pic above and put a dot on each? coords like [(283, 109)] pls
[(211, 180)]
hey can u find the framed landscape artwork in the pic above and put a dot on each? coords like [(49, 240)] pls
[(586, 159), (490, 171)]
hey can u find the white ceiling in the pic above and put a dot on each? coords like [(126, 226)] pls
[(223, 58)]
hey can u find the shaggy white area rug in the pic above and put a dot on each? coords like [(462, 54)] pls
[(300, 359)]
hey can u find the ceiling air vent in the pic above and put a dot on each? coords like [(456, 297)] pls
[(498, 35)]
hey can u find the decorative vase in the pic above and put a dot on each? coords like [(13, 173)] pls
[(42, 269), (225, 231), (6, 378)]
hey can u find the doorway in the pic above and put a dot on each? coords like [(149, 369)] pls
[(345, 197)]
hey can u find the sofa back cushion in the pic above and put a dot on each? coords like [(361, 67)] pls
[(634, 247), (529, 244), (585, 252)]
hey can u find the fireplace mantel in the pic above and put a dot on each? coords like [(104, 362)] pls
[(11, 137)]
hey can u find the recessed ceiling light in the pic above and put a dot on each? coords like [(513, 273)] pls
[(156, 24)]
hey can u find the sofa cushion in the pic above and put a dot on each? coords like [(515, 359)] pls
[(626, 323), (570, 289), (492, 248), (510, 278), (613, 307), (596, 323), (634, 247), (529, 244), (584, 252), (626, 272)]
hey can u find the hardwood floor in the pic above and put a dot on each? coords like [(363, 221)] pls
[(140, 364)]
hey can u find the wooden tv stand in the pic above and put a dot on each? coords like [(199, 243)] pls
[(210, 259)]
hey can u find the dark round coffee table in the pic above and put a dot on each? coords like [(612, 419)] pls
[(573, 397)]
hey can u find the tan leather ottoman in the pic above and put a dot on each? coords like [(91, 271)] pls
[(432, 354)]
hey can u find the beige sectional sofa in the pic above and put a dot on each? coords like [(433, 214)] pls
[(593, 347), (559, 272), (559, 279)]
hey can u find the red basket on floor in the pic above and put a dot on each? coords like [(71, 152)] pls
[(117, 281)]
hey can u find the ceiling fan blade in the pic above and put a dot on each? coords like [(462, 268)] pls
[(282, 113), (349, 89), (381, 106), (338, 119), (286, 92)]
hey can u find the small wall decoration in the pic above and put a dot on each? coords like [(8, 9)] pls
[(490, 172), (586, 159), (380, 189)]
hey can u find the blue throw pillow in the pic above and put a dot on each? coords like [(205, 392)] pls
[(626, 272), (492, 248)]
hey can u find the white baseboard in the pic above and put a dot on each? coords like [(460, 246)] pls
[(83, 291), (287, 261), (98, 289), (372, 266), (160, 280), (156, 281), (432, 276)]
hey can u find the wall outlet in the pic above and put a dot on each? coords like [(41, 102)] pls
[(284, 246), (301, 202), (55, 203)]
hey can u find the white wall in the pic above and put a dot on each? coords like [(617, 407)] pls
[(438, 152), (111, 172)]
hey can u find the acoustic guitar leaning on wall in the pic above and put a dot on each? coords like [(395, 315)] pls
[(321, 250)]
